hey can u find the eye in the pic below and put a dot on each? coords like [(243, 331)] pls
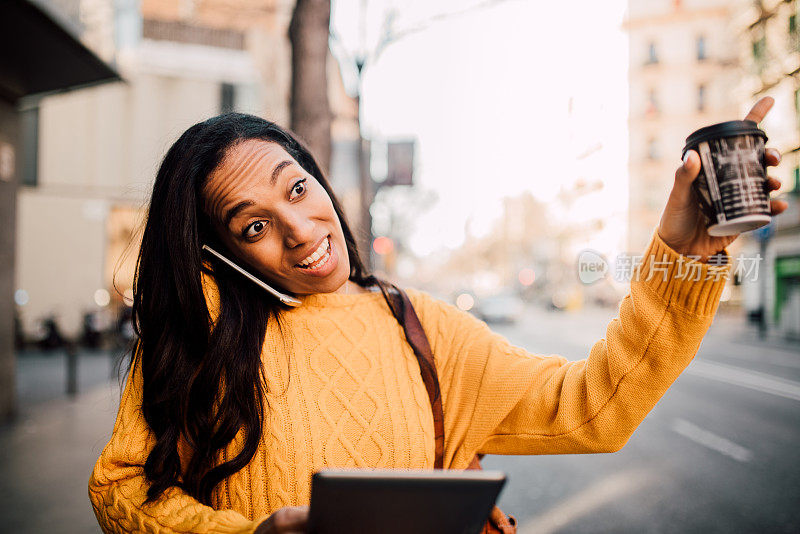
[(301, 184), (254, 229)]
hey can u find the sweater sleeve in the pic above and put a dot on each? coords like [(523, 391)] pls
[(501, 399), (118, 488)]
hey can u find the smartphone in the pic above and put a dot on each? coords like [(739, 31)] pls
[(286, 299)]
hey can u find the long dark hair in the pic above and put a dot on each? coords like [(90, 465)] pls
[(203, 379)]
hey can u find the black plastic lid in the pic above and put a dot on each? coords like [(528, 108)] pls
[(723, 129)]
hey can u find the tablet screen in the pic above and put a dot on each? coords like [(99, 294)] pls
[(390, 501)]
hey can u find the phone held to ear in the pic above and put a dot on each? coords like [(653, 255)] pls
[(286, 299)]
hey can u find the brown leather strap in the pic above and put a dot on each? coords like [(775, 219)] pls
[(403, 310), (415, 335)]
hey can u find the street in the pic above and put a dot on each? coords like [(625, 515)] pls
[(717, 454)]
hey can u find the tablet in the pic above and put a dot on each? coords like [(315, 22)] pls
[(395, 501)]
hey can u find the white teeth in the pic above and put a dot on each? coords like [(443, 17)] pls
[(318, 264), (323, 248)]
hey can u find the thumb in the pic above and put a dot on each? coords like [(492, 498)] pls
[(687, 172), (681, 194)]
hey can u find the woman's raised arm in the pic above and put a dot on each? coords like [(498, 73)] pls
[(118, 488), (502, 399)]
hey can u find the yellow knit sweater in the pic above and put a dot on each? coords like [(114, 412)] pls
[(344, 390)]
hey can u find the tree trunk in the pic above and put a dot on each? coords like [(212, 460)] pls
[(310, 110)]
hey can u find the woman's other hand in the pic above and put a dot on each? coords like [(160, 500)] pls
[(286, 520), (683, 224)]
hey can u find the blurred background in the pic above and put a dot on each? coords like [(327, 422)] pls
[(481, 150)]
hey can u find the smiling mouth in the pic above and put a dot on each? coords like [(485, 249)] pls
[(321, 261)]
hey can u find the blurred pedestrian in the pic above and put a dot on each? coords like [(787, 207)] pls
[(234, 399), (51, 337)]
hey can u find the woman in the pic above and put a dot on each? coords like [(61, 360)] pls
[(234, 399)]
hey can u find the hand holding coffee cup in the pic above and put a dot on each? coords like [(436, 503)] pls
[(702, 221)]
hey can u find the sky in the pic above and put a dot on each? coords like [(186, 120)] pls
[(486, 92)]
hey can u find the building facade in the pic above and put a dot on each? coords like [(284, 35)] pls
[(47, 57), (769, 47), (84, 195), (684, 69), (695, 63)]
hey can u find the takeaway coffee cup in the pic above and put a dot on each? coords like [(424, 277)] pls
[(732, 185)]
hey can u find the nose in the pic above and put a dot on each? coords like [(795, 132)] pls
[(299, 229)]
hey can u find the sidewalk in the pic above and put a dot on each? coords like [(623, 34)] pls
[(42, 375), (736, 327), (48, 455), (51, 447)]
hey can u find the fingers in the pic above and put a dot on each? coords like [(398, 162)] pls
[(773, 184), (773, 156), (286, 520), (777, 206), (291, 518), (760, 109)]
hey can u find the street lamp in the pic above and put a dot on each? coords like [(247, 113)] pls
[(362, 59)]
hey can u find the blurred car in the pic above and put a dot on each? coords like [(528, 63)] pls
[(499, 308)]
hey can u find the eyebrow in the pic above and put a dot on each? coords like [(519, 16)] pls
[(277, 171), (231, 213)]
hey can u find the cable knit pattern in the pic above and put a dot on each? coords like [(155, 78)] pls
[(344, 390)]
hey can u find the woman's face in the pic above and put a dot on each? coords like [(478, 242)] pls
[(274, 215)]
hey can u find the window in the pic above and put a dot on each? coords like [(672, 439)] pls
[(701, 48), (652, 149), (796, 185), (760, 49), (701, 98), (760, 53), (29, 124), (227, 97), (652, 103), (797, 113), (652, 55)]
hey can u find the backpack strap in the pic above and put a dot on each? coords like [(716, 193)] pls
[(415, 335), (498, 522)]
